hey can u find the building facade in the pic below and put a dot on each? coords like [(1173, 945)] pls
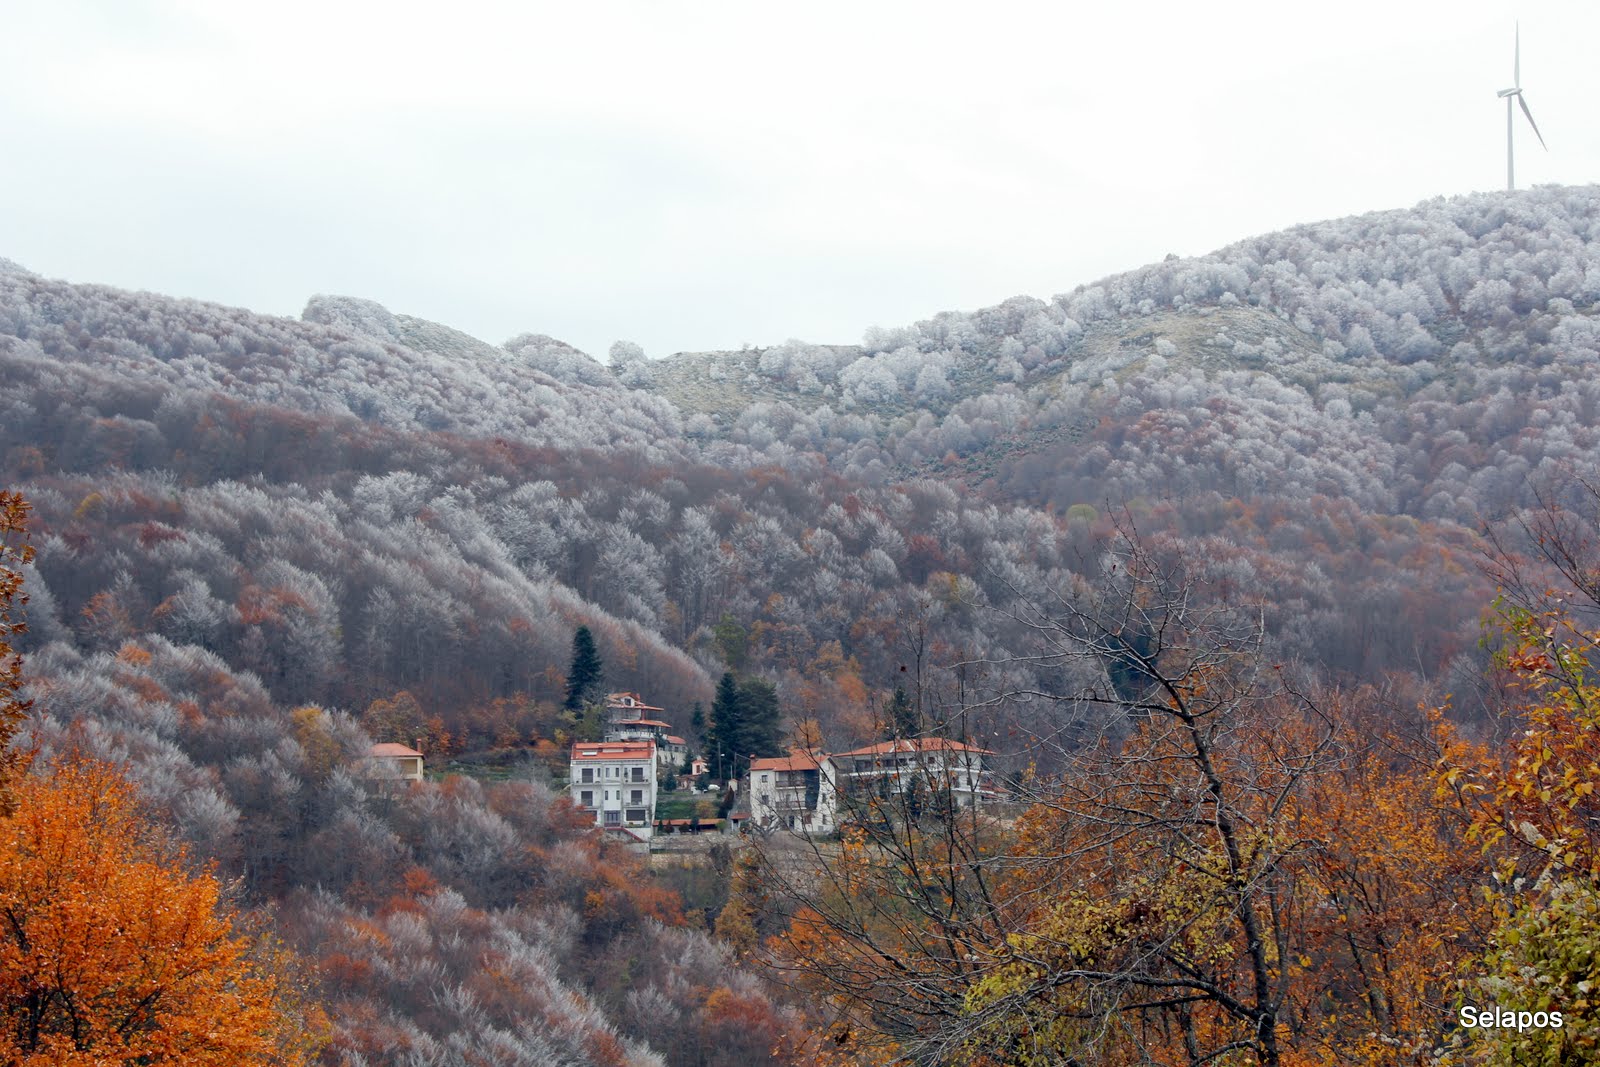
[(629, 707), (629, 718), (390, 762), (670, 749), (615, 782), (810, 793), (933, 763), (793, 792)]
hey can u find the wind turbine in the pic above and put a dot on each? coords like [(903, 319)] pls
[(1515, 93)]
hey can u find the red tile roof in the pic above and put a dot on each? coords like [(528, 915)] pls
[(615, 700), (613, 750), (389, 748), (915, 744), (794, 761)]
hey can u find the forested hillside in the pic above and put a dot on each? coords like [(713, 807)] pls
[(251, 529)]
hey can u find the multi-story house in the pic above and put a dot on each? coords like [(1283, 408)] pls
[(629, 718), (934, 763), (670, 748), (615, 781), (628, 707), (809, 792), (793, 792)]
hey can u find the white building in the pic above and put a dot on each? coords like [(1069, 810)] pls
[(629, 718), (793, 792), (615, 781), (935, 762), (804, 791), (628, 707), (670, 748)]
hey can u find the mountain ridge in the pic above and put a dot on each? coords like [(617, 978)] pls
[(258, 537)]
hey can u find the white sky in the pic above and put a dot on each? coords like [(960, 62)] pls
[(699, 175)]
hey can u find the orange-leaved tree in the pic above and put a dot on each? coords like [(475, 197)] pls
[(1392, 916), (112, 953), (1141, 908)]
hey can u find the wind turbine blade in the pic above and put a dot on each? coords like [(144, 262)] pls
[(1516, 61), (1535, 125)]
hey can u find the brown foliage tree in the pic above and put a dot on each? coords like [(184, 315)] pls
[(13, 554), (399, 719), (1234, 871)]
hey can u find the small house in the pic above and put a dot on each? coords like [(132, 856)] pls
[(391, 762)]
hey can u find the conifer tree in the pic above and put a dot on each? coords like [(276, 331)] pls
[(744, 723), (723, 739), (758, 708), (586, 673), (902, 720)]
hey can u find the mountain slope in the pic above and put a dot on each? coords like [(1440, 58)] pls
[(252, 530)]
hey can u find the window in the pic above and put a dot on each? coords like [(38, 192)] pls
[(638, 774), (586, 798), (637, 797), (588, 774), (636, 815), (613, 818)]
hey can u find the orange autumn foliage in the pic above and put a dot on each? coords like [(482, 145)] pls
[(111, 953), (1544, 802), (1359, 869), (1392, 920)]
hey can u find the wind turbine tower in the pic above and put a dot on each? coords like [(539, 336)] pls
[(1515, 93)]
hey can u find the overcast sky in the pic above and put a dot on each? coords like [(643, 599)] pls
[(705, 175)]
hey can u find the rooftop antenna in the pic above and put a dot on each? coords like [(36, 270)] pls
[(1515, 93)]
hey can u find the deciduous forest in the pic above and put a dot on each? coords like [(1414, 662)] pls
[(1266, 580)]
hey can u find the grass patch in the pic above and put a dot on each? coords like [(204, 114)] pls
[(498, 766), (686, 806)]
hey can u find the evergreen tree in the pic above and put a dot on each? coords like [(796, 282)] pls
[(744, 723), (902, 720), (758, 706), (585, 674), (733, 641), (723, 739)]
